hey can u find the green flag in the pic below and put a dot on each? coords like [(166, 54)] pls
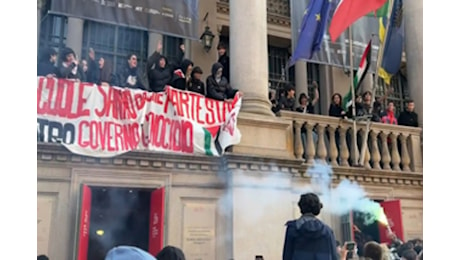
[(381, 12)]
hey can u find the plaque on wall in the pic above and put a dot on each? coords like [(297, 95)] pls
[(45, 206), (199, 231)]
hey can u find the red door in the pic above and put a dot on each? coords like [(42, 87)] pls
[(85, 214), (392, 209), (156, 228)]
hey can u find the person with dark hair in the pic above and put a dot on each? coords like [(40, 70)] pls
[(224, 60), (335, 109), (389, 117), (42, 257), (373, 250), (105, 73), (160, 70), (217, 86), (307, 105), (308, 237), (68, 65), (129, 76), (404, 247), (46, 63), (182, 76), (287, 102), (171, 253), (409, 254), (195, 84), (408, 117)]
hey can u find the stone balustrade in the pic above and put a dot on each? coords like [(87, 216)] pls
[(330, 139)]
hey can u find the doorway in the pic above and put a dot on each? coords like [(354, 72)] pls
[(114, 216)]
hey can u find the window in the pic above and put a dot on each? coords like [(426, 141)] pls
[(171, 47), (400, 94), (53, 31), (115, 43)]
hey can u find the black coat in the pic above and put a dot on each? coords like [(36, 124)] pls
[(407, 118), (124, 74), (46, 67), (225, 61), (219, 90), (158, 77), (309, 238)]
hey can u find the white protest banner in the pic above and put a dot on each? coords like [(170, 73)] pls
[(105, 121)]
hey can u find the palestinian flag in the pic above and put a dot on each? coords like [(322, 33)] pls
[(359, 76)]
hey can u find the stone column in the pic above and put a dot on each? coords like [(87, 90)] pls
[(153, 41), (367, 83), (249, 59), (413, 19), (75, 35), (301, 79), (325, 88)]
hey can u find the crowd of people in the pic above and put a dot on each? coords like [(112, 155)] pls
[(364, 109), (181, 73), (309, 238)]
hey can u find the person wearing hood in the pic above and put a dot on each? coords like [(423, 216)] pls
[(68, 66), (46, 64), (159, 71), (182, 76), (217, 86), (128, 253), (308, 237), (171, 253), (195, 84), (129, 77)]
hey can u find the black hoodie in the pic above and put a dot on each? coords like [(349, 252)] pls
[(309, 238), (219, 90), (178, 79), (158, 77), (196, 85)]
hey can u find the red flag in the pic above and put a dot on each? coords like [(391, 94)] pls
[(348, 11)]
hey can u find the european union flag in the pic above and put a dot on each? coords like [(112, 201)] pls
[(394, 42), (312, 31)]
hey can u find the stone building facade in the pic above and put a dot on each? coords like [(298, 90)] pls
[(224, 196)]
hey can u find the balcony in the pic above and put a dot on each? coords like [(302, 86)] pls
[(389, 148)]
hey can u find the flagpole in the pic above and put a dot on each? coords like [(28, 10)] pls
[(353, 105), (376, 77)]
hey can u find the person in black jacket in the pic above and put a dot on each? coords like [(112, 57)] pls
[(129, 76), (170, 253), (182, 76), (68, 66), (195, 84), (335, 109), (92, 72), (217, 85), (159, 70), (46, 64), (224, 60), (308, 237), (408, 117)]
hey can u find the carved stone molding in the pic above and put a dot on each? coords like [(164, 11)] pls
[(272, 18), (56, 154)]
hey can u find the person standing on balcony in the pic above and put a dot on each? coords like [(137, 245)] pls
[(408, 117), (159, 70), (287, 102), (195, 84), (335, 109), (224, 60), (46, 65), (307, 106), (128, 76), (68, 66), (389, 117), (92, 72), (217, 86)]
